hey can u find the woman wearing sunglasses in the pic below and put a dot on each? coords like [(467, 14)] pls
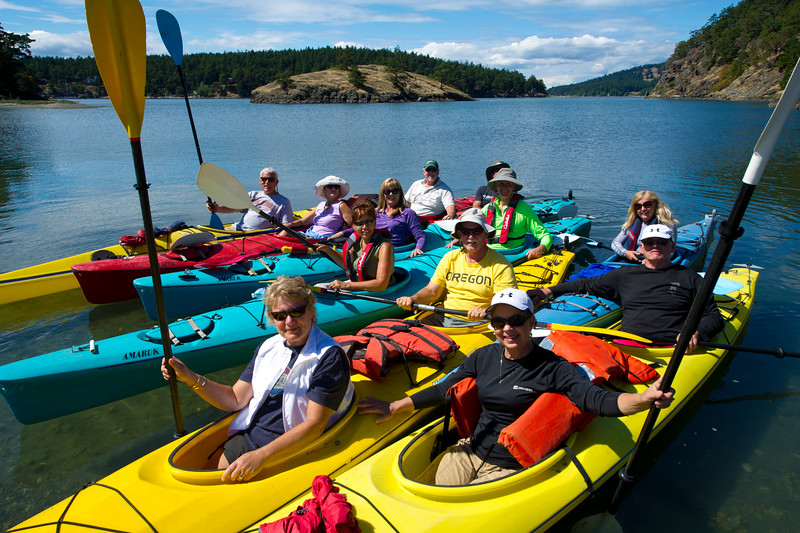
[(296, 386), (400, 220), (510, 374), (645, 209), (466, 277), (367, 254), (331, 214)]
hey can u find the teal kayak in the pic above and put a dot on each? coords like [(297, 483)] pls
[(194, 291), (99, 372)]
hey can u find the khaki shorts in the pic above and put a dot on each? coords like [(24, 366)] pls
[(460, 466)]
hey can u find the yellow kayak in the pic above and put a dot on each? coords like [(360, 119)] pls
[(393, 490), (172, 489)]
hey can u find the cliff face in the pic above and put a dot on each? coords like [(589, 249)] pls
[(333, 86), (691, 77)]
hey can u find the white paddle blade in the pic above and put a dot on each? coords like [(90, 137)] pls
[(223, 187)]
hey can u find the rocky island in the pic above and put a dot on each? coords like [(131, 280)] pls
[(364, 84)]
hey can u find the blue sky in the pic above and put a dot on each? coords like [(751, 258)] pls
[(557, 41)]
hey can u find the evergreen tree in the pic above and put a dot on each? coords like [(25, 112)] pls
[(15, 82)]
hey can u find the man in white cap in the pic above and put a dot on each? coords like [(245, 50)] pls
[(466, 277), (267, 200), (430, 198), (655, 296), (510, 375)]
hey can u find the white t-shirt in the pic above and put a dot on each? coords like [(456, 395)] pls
[(429, 201), (275, 205)]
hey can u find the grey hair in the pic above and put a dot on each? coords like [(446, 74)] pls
[(269, 170)]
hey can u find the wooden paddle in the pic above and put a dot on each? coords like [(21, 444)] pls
[(223, 186), (420, 307), (729, 231), (117, 31), (171, 35)]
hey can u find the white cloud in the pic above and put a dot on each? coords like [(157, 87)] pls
[(16, 7), (556, 61), (61, 44)]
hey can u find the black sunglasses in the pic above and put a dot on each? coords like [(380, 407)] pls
[(270, 178), (470, 231), (391, 191), (297, 312), (366, 222), (514, 321)]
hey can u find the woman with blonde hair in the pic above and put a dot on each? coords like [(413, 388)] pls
[(645, 209), (400, 220)]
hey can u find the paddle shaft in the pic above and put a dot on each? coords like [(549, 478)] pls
[(729, 231), (155, 272), (421, 307), (117, 32)]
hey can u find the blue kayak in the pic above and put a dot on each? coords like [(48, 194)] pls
[(99, 372), (693, 241), (195, 291)]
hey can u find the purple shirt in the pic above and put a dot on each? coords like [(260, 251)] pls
[(405, 227)]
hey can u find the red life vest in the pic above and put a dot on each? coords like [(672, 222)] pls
[(506, 227), (355, 272), (375, 346), (552, 417), (327, 512)]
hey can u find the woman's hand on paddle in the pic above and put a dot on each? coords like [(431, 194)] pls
[(653, 395), (181, 371), (338, 284)]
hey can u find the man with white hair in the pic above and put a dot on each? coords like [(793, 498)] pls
[(267, 200), (655, 296)]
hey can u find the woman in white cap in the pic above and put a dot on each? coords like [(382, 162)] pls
[(510, 375), (466, 277), (332, 213), (512, 217), (645, 209)]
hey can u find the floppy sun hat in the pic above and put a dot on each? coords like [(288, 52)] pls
[(505, 174), (331, 180), (476, 216)]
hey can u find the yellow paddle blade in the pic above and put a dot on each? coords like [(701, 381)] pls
[(117, 30)]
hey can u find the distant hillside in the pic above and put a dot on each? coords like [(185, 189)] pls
[(746, 52), (634, 81), (236, 74), (361, 84)]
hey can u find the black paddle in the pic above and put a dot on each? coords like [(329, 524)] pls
[(117, 31), (171, 35), (729, 231), (420, 307)]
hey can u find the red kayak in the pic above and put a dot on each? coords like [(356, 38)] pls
[(111, 280)]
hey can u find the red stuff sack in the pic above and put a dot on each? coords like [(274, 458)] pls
[(327, 512)]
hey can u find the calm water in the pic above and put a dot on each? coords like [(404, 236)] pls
[(66, 179)]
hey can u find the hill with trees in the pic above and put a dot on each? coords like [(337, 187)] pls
[(236, 74), (633, 81), (15, 82), (747, 51)]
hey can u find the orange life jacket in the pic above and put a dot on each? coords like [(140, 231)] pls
[(552, 417), (375, 346)]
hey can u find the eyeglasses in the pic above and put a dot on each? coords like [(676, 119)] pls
[(269, 178), (644, 205), (514, 321), (470, 231), (649, 243), (297, 312), (431, 169), (391, 191), (367, 222), (333, 186)]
